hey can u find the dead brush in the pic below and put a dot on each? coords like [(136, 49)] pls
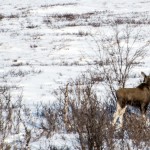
[(137, 130), (1, 16), (84, 114), (55, 5)]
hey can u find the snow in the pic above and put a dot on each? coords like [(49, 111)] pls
[(40, 57)]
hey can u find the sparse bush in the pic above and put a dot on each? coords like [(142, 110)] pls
[(12, 16), (94, 24), (137, 130), (117, 55), (33, 46), (82, 33), (84, 114), (31, 26), (9, 117), (50, 121), (1, 16), (63, 4)]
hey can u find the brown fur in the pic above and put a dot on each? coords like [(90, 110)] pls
[(138, 97)]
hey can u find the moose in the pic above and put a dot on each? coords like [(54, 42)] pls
[(137, 97)]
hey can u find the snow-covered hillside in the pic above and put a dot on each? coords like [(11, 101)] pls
[(45, 43), (43, 47)]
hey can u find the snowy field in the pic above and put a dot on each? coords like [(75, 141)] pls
[(42, 50), (45, 43)]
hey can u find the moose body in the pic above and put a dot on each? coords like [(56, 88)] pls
[(138, 97)]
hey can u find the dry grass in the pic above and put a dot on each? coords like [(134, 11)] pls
[(55, 5)]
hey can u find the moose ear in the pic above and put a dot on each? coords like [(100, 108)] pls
[(143, 74)]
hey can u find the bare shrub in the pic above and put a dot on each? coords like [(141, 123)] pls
[(68, 17), (118, 54), (15, 121), (33, 46), (137, 130), (1, 16), (133, 21), (21, 73), (63, 4), (31, 26), (82, 33), (85, 114), (94, 24), (50, 121), (9, 116), (12, 16)]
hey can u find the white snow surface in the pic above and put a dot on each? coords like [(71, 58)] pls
[(40, 56), (40, 51)]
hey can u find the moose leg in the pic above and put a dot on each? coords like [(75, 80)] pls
[(121, 115), (143, 110), (116, 114)]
